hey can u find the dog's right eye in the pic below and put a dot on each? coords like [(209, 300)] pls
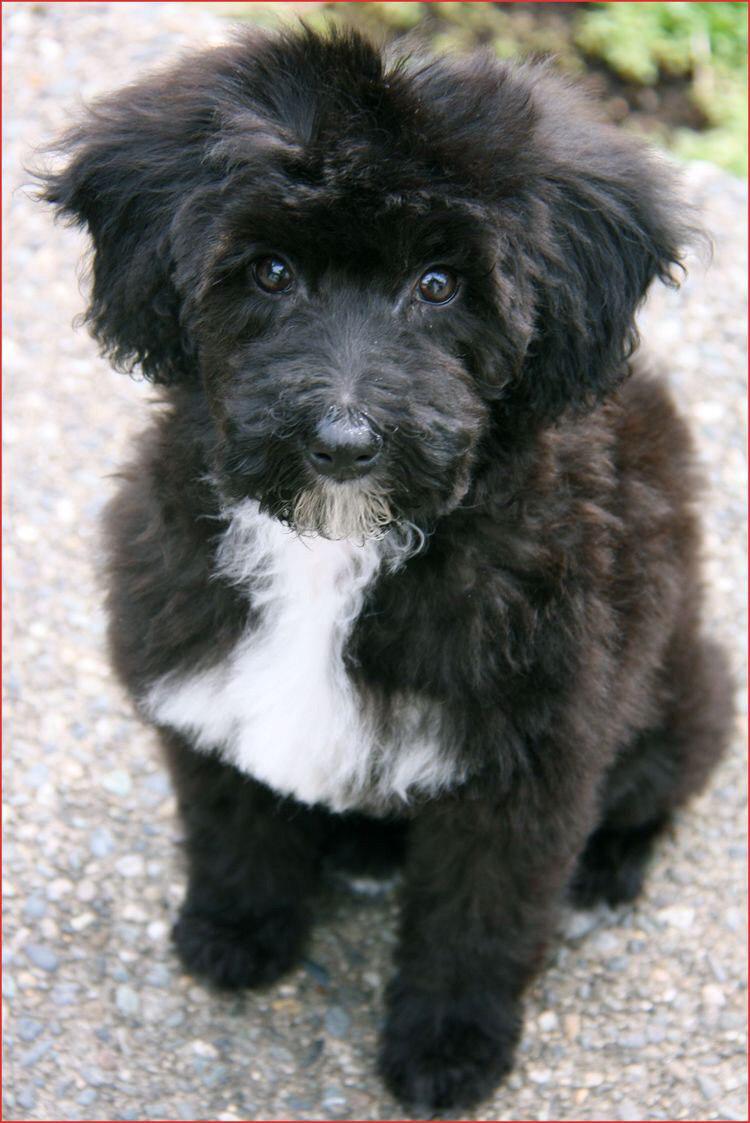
[(272, 274), (437, 286)]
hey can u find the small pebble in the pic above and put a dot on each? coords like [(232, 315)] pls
[(28, 1029), (187, 1109), (678, 916), (313, 1054), (34, 1055), (337, 1021), (158, 782), (298, 1104), (713, 995), (86, 890), (131, 865), (631, 1040), (540, 1075), (159, 976), (65, 994), (93, 1076), (42, 957), (117, 782), (334, 1101), (317, 972), (710, 1090), (101, 843), (58, 888), (203, 1048), (34, 908), (127, 1000), (26, 1098)]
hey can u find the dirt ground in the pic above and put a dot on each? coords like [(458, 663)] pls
[(641, 1012)]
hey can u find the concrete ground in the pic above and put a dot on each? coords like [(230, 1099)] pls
[(641, 1012)]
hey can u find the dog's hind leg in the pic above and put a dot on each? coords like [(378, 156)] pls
[(658, 773), (253, 864), (613, 865)]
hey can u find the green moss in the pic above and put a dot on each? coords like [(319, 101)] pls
[(705, 44), (642, 41)]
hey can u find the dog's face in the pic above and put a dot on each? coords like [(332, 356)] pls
[(373, 278), (341, 346)]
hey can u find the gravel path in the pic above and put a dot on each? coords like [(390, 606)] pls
[(641, 1013)]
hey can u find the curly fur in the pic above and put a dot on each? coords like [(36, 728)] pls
[(487, 654)]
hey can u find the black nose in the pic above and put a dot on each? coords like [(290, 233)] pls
[(344, 448)]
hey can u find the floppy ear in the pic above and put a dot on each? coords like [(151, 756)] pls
[(601, 224), (131, 163), (150, 172)]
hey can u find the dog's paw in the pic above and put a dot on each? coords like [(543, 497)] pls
[(242, 953), (613, 867), (594, 885), (437, 1067)]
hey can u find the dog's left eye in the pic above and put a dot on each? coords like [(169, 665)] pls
[(437, 285), (273, 274)]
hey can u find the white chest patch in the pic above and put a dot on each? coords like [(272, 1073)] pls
[(281, 706)]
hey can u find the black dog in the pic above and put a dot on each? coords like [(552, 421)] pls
[(406, 567)]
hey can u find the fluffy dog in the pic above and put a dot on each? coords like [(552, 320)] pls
[(406, 566)]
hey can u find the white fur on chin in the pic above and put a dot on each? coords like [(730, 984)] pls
[(282, 706), (342, 510)]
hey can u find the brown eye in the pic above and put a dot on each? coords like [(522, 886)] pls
[(273, 274), (437, 285)]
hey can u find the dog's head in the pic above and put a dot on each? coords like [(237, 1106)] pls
[(374, 275)]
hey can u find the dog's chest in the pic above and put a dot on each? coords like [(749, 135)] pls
[(282, 706)]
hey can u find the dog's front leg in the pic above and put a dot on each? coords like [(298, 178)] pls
[(483, 878), (253, 861)]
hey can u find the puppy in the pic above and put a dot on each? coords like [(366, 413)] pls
[(406, 567)]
